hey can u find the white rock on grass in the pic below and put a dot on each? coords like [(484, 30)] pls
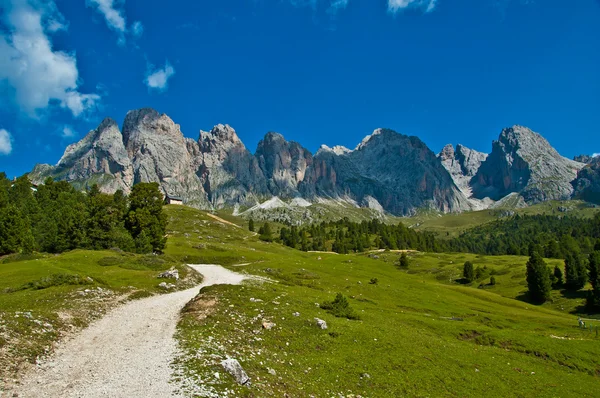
[(172, 273), (321, 323), (233, 367)]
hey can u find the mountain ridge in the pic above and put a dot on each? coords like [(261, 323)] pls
[(386, 171)]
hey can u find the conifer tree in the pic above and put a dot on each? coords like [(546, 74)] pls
[(594, 267), (468, 271), (538, 279), (575, 272)]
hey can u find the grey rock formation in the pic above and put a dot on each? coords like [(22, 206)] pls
[(584, 159), (587, 184), (99, 157), (386, 172), (523, 161), (462, 164), (397, 171), (159, 152), (230, 173), (284, 164)]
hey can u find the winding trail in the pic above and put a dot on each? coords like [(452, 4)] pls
[(127, 353)]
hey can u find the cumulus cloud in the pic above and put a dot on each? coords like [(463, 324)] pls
[(115, 19), (395, 6), (596, 155), (39, 75), (5, 142), (158, 79)]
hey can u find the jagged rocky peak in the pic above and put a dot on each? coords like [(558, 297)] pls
[(462, 163), (397, 171), (337, 150), (523, 161), (100, 157), (222, 133), (230, 173), (588, 159), (283, 163)]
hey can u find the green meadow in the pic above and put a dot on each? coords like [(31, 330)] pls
[(420, 333)]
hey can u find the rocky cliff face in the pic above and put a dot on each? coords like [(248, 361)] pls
[(462, 163), (283, 164), (387, 171), (230, 173), (587, 184), (100, 156), (397, 171), (523, 161)]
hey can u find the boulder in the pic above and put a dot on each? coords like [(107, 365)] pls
[(172, 273), (321, 323), (233, 367)]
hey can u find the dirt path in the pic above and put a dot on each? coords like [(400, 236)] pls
[(219, 219), (125, 354)]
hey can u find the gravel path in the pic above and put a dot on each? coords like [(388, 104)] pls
[(127, 353)]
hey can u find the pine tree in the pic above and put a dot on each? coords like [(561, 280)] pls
[(468, 272), (575, 272), (403, 262), (594, 267), (538, 279), (558, 277), (265, 233), (251, 225), (145, 215)]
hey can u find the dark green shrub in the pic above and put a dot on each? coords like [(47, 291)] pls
[(340, 307)]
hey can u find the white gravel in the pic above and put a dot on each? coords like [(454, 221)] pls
[(127, 353)]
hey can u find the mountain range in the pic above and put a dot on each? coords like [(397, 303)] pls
[(387, 172)]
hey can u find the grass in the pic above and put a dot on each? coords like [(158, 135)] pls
[(420, 332), (43, 297), (452, 225)]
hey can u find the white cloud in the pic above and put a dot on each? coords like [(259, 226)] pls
[(39, 75), (5, 142), (158, 79), (68, 132), (596, 155), (137, 29), (395, 6), (115, 18)]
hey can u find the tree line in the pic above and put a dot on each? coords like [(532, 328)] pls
[(578, 271), (345, 236), (556, 236), (54, 217)]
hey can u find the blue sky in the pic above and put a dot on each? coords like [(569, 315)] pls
[(317, 71)]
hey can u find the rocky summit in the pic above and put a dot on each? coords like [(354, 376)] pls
[(523, 162), (386, 172)]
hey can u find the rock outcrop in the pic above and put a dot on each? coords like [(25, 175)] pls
[(284, 164), (462, 163), (100, 157), (230, 173), (523, 161), (397, 171), (587, 183)]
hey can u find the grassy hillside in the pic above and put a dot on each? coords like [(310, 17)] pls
[(419, 333), (44, 297), (450, 225)]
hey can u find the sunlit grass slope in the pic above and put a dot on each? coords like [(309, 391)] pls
[(419, 333)]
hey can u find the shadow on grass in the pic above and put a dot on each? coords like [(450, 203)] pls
[(570, 294)]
